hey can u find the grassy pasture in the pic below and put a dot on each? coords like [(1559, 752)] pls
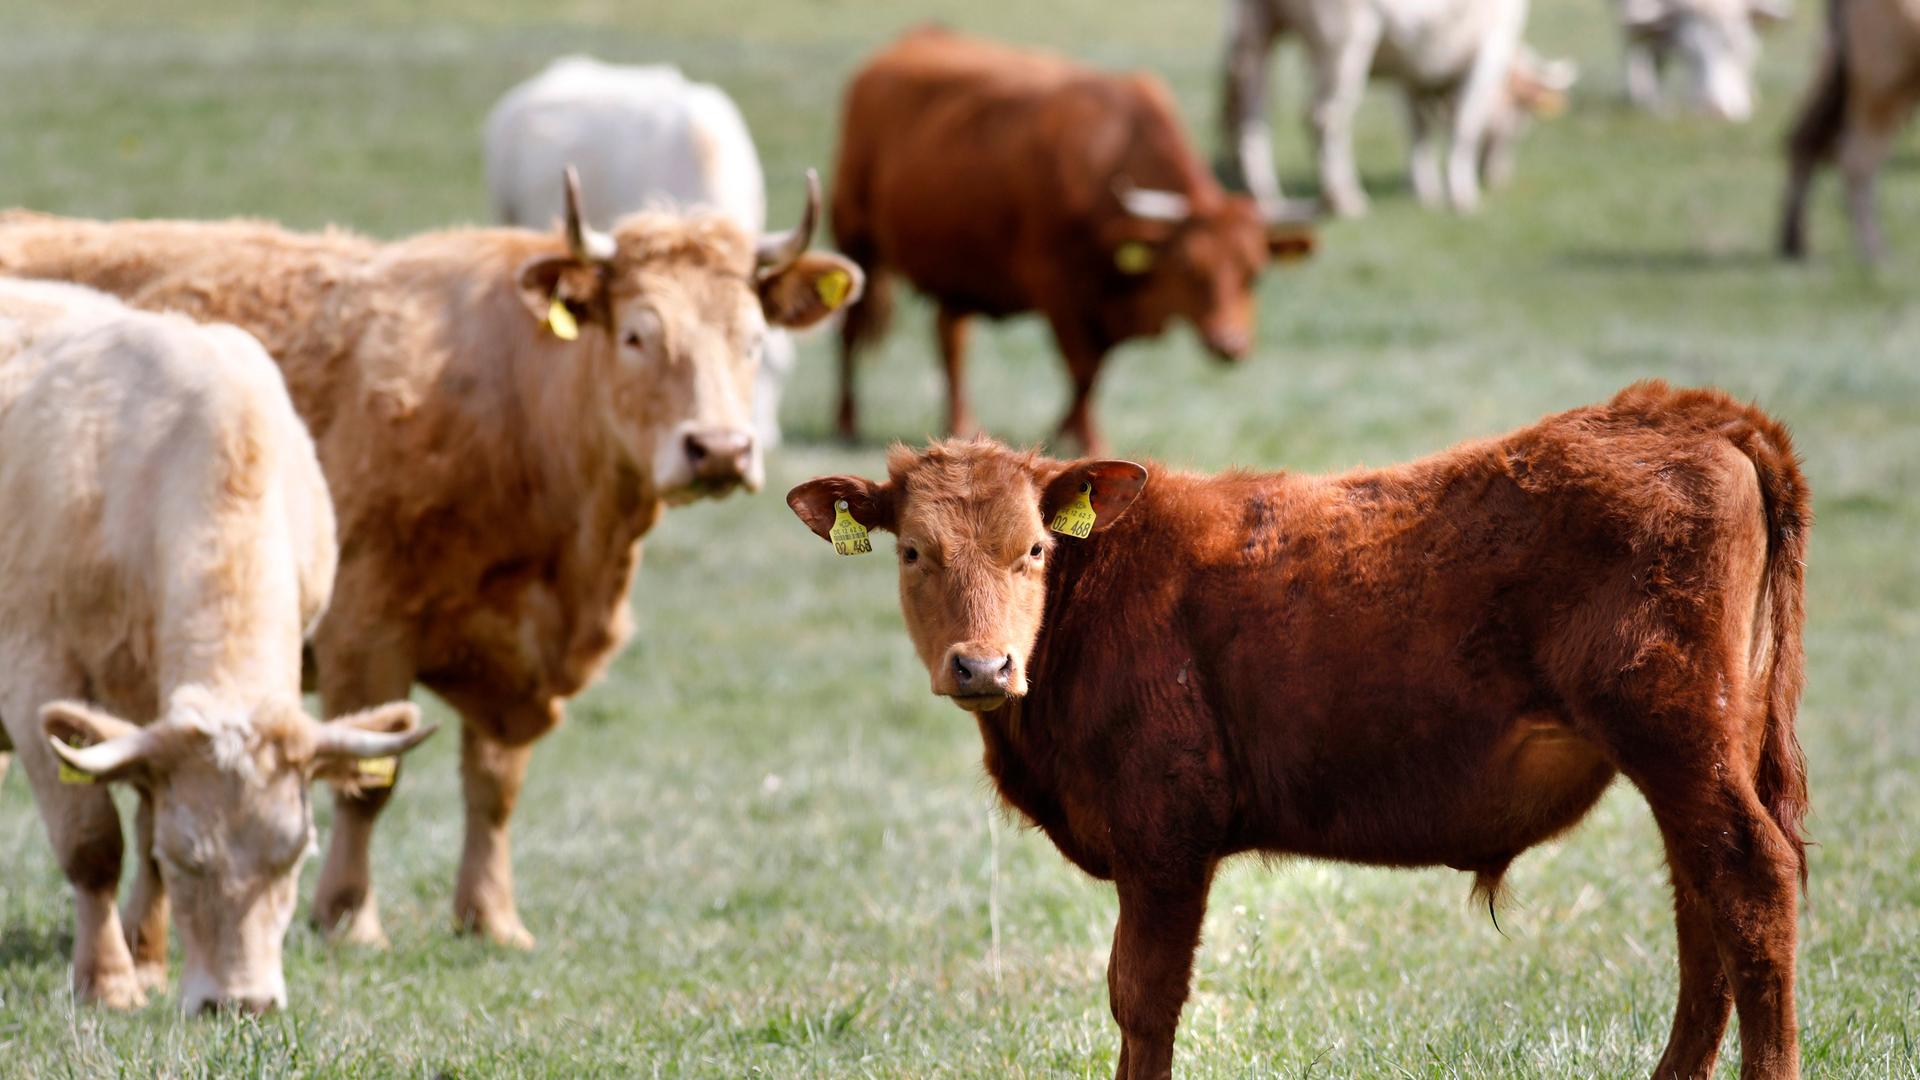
[(759, 848)]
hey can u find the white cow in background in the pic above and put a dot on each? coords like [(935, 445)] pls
[(1461, 63), (166, 538), (1715, 40), (640, 136)]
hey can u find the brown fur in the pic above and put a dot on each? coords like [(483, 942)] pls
[(492, 481), (986, 175), (1866, 85), (1444, 662)]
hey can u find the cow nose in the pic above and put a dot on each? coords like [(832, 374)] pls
[(1228, 344), (240, 1005), (982, 674), (719, 455)]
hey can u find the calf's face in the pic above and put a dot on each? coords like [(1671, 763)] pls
[(974, 522), (227, 790)]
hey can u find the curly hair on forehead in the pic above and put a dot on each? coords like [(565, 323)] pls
[(704, 240), (948, 464)]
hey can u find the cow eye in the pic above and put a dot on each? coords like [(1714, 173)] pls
[(1035, 553), (633, 340), (910, 556)]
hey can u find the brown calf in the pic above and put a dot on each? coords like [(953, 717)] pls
[(1000, 181), (1867, 86), (1442, 663)]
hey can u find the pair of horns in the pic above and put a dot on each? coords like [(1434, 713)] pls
[(774, 252)]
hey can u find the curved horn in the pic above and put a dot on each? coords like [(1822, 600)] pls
[(382, 731), (777, 251), (1152, 204), (586, 243), (117, 746)]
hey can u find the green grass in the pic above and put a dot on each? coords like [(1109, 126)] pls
[(759, 847)]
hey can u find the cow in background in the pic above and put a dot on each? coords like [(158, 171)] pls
[(166, 539), (1866, 87), (641, 137), (1000, 180), (1715, 41), (502, 414), (1443, 663), (1461, 63)]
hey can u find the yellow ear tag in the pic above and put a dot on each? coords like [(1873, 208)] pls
[(560, 321), (1133, 257), (833, 287), (71, 775), (849, 536), (1076, 518), (377, 771)]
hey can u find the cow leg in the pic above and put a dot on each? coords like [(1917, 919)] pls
[(1863, 149), (953, 326), (344, 905), (491, 772), (145, 915), (1473, 109), (1247, 139), (1643, 75), (1083, 358), (1706, 999), (1734, 859), (1423, 151), (1151, 966), (1340, 80)]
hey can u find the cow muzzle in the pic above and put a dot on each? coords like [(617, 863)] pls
[(1228, 345), (712, 462), (201, 995), (978, 680)]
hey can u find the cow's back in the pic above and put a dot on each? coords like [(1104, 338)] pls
[(638, 136)]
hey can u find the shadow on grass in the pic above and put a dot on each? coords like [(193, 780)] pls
[(35, 945), (1682, 261)]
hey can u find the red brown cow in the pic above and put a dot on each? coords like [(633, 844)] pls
[(1001, 181), (1442, 663)]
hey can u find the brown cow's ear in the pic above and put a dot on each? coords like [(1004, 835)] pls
[(1288, 241), (812, 287), (868, 503), (547, 280), (1112, 486)]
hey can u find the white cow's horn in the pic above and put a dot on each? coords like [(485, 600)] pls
[(348, 741), (586, 244), (1151, 204), (777, 251)]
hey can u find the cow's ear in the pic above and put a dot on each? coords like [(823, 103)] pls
[(809, 289), (92, 745), (817, 503), (1288, 241), (561, 292), (1109, 486)]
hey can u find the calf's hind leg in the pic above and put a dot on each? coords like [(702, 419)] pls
[(1706, 999)]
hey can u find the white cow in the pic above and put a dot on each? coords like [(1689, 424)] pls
[(1714, 39), (641, 137), (1461, 63), (165, 540)]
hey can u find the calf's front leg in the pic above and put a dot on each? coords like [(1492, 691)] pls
[(1151, 966)]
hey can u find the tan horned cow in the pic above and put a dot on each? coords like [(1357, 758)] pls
[(165, 540), (1442, 663), (502, 415)]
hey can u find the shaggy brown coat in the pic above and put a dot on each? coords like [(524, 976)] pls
[(1441, 663), (992, 178), (492, 480)]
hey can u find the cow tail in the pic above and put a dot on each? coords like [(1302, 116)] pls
[(1823, 116), (1781, 780), (867, 319)]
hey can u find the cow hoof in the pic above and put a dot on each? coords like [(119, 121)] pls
[(151, 976), (1349, 207), (506, 931), (114, 990), (359, 927)]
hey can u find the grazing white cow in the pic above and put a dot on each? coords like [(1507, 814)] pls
[(1715, 41), (640, 137), (165, 540), (1461, 63)]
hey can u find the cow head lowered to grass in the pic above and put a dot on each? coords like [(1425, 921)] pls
[(1443, 663), (684, 339), (226, 818)]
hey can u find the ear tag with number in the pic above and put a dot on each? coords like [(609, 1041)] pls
[(561, 321), (377, 771), (1133, 257), (1076, 518), (69, 774), (849, 536), (833, 287)]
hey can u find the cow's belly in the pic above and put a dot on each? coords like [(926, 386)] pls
[(1474, 804)]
